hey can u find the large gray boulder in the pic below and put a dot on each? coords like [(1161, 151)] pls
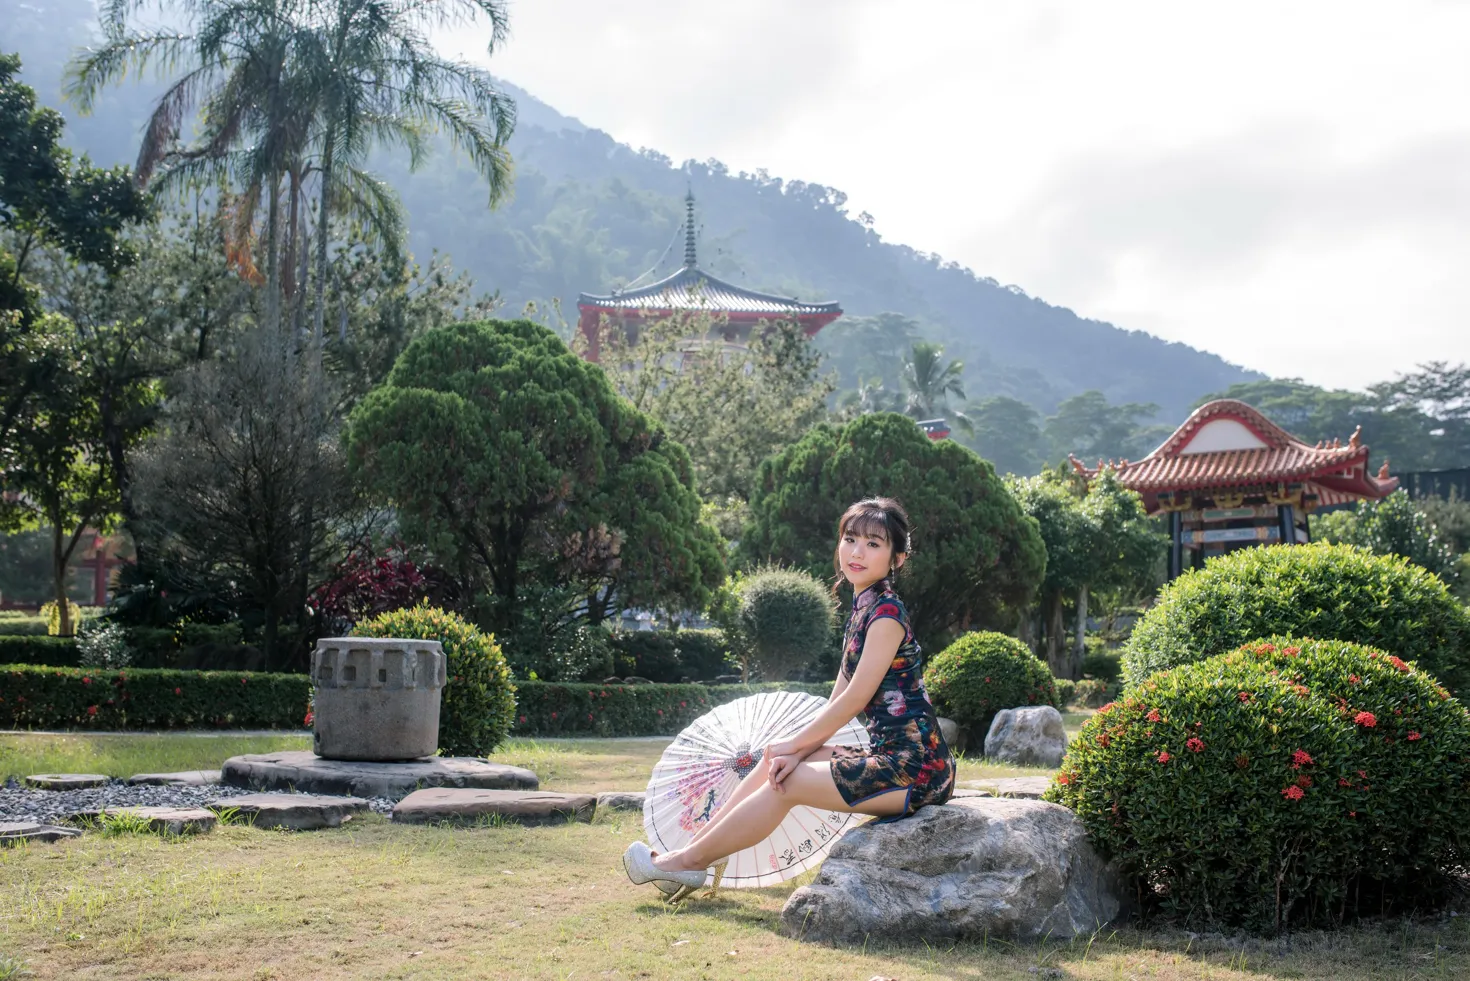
[(975, 867), (1030, 736)]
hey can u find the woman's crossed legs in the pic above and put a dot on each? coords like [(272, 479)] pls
[(756, 808)]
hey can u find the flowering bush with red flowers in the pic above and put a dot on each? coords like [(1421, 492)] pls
[(561, 709), (478, 705), (1331, 592), (984, 672), (1280, 808), (44, 697)]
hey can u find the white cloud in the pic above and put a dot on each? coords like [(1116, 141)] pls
[(1284, 184)]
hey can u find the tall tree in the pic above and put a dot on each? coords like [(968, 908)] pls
[(1007, 432), (1090, 427), (929, 382)]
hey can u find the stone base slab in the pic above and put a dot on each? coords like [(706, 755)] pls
[(300, 771), (442, 804), (182, 778), (298, 812), (169, 820), (15, 832), (67, 781), (620, 800)]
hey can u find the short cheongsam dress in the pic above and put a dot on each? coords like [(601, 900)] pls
[(908, 751)]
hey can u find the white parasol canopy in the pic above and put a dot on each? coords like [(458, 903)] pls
[(707, 761)]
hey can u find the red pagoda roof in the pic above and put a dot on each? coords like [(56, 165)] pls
[(1227, 444)]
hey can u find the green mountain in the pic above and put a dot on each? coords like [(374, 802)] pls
[(589, 213)]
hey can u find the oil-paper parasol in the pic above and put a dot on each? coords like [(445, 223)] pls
[(707, 761)]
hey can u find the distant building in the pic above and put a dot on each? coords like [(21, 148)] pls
[(1231, 478), (692, 291)]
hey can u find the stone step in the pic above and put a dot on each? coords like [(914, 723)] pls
[(169, 820), (15, 832), (298, 812), (66, 781), (302, 771), (182, 778), (469, 806), (620, 800)]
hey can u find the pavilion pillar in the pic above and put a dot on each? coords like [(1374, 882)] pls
[(1176, 544), (1286, 522)]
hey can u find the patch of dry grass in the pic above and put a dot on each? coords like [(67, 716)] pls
[(376, 900)]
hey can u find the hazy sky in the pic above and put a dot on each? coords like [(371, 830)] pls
[(1285, 184)]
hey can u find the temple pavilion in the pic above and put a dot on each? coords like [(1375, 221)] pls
[(1231, 478), (692, 291)]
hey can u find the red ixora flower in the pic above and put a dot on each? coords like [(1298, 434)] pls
[(91, 710), (1266, 649), (1398, 663), (1154, 716), (86, 681), (1365, 719), (1293, 792), (1245, 696), (1413, 736), (523, 719), (1343, 782), (1302, 757), (1164, 756), (1103, 739), (1353, 679), (1291, 651), (1107, 708), (1064, 778), (1196, 745)]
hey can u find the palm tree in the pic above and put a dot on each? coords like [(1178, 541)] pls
[(929, 383)]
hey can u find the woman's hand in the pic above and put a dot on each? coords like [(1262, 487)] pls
[(779, 767), (786, 747)]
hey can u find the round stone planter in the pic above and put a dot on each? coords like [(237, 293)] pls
[(377, 698)]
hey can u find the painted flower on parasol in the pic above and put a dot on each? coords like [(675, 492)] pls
[(706, 762)]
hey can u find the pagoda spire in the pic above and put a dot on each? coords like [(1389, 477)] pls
[(689, 257)]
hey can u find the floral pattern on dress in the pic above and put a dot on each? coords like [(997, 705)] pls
[(908, 750)]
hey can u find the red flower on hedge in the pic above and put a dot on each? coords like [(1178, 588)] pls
[(1293, 792), (683, 704), (1266, 649), (1291, 651), (523, 719), (553, 715), (1164, 756), (1064, 778), (1154, 716), (1245, 696), (1365, 719), (1106, 708), (244, 680), (1302, 758), (1352, 679), (1398, 663), (91, 710), (178, 691), (589, 716), (1195, 745), (86, 681), (1342, 782), (1103, 739), (1413, 736)]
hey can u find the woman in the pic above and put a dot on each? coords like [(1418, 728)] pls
[(908, 764)]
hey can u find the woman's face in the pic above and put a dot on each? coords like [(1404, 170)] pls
[(866, 557)]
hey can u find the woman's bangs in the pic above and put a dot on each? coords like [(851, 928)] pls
[(867, 524)]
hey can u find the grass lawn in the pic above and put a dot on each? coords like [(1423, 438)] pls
[(378, 900)]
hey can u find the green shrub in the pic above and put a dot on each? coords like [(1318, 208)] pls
[(671, 655), (1326, 591), (984, 672), (479, 700), (785, 621), (1095, 694), (33, 649), (552, 709), (40, 697), (1101, 662), (1066, 691), (1287, 783), (704, 654), (27, 626)]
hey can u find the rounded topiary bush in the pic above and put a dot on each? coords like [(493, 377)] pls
[(479, 702), (984, 672), (1286, 783), (1326, 591), (784, 620)]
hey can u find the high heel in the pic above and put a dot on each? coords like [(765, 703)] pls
[(638, 863), (719, 874)]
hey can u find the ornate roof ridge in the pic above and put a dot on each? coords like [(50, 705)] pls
[(689, 278)]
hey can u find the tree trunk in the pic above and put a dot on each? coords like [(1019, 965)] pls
[(58, 582), (1057, 658), (1080, 650), (273, 257), (319, 309)]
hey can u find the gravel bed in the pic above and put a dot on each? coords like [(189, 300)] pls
[(19, 803)]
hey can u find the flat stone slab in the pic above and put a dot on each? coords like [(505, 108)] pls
[(182, 778), (169, 820), (302, 771), (1022, 788), (14, 832), (458, 806), (970, 792), (67, 781), (299, 812), (621, 800)]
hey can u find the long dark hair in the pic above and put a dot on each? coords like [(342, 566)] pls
[(880, 517)]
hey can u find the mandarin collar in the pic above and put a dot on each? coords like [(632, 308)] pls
[(875, 589)]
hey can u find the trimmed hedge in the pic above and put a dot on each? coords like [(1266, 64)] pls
[(1288, 783), (1066, 691), (42, 697), (39, 649), (1332, 592), (23, 627), (552, 709), (672, 655)]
